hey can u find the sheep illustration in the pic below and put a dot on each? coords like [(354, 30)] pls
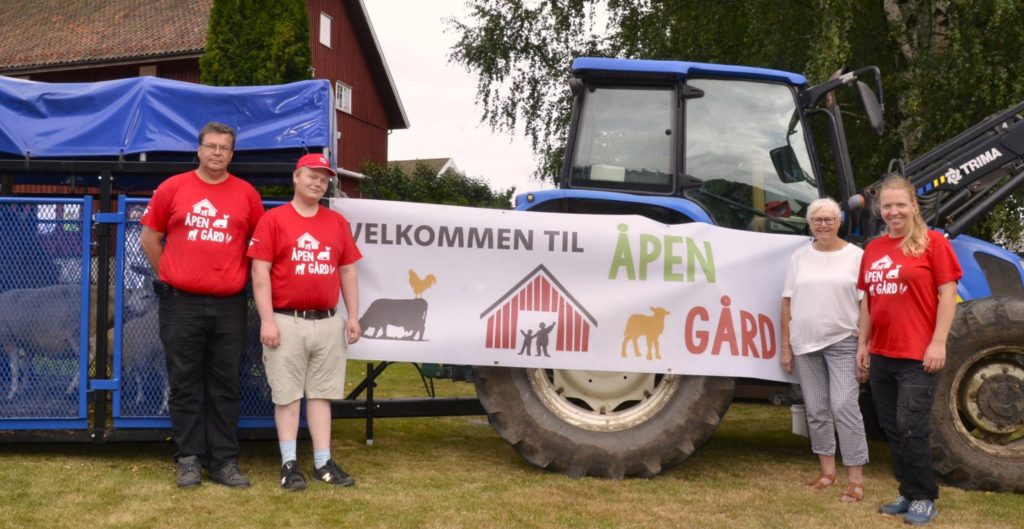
[(650, 327)]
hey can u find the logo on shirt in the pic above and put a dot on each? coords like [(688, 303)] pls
[(307, 242), (306, 256), (883, 279), (882, 264), (205, 224), (205, 208)]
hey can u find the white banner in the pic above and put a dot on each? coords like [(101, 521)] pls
[(455, 285)]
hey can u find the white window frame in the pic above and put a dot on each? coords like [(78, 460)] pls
[(343, 97), (325, 29)]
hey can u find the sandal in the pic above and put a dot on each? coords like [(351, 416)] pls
[(854, 493), (823, 481)]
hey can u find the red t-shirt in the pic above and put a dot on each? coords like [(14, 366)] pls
[(207, 229), (306, 254), (902, 293)]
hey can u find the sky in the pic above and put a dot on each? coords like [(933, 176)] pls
[(440, 98)]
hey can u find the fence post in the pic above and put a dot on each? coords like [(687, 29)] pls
[(99, 401)]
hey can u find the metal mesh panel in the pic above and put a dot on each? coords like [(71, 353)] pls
[(144, 371), (256, 401), (40, 308), (143, 366)]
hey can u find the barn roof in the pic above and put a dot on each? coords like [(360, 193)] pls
[(437, 165), (47, 35), (38, 34), (529, 277)]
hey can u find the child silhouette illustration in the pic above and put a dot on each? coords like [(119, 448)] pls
[(527, 339)]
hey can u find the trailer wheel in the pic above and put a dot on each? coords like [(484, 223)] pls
[(613, 425), (978, 416)]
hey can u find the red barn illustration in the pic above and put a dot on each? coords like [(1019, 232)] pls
[(539, 292)]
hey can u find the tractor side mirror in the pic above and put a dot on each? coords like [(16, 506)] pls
[(873, 108), (787, 166)]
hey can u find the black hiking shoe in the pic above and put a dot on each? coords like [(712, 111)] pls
[(333, 474), (291, 478), (230, 475), (189, 472)]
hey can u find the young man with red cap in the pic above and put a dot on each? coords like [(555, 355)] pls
[(195, 233), (301, 254)]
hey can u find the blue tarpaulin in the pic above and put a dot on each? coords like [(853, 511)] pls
[(149, 114)]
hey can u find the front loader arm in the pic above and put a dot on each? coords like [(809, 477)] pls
[(965, 178)]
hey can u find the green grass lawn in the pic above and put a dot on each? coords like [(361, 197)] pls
[(456, 472)]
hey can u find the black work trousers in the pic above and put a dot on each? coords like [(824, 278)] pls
[(204, 340), (903, 393)]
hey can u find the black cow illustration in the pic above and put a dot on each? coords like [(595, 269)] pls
[(409, 314)]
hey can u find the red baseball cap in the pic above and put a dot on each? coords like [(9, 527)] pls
[(315, 161)]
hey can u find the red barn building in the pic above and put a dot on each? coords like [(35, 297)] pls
[(60, 41), (539, 292)]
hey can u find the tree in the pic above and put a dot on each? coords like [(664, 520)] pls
[(256, 42), (425, 185), (520, 50), (957, 62), (947, 63)]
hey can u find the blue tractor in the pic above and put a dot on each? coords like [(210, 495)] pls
[(686, 142)]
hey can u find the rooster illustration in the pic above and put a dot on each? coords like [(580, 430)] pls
[(420, 285)]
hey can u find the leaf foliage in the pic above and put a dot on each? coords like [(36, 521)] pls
[(424, 185), (257, 42), (947, 64)]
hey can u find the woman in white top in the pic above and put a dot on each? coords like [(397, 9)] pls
[(820, 316)]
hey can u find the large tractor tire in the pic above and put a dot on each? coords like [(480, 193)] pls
[(612, 425), (978, 416)]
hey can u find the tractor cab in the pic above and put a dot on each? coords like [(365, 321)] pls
[(730, 141)]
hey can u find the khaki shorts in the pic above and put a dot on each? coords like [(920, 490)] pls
[(310, 362)]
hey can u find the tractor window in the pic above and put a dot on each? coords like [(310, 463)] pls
[(746, 142), (625, 140)]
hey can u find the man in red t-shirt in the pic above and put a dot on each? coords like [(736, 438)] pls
[(301, 254), (195, 233)]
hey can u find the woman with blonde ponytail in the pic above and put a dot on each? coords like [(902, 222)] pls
[(916, 240), (908, 276)]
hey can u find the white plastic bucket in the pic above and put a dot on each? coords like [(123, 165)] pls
[(799, 416)]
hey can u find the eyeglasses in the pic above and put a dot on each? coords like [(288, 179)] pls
[(825, 221), (215, 148)]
